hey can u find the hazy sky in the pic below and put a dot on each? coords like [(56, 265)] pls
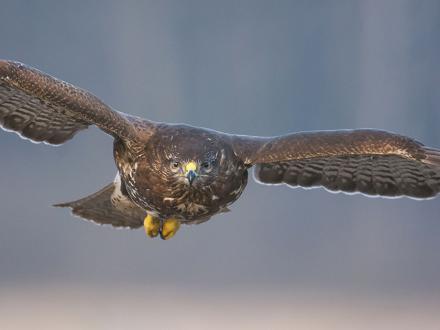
[(251, 67)]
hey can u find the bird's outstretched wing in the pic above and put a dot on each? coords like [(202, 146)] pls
[(44, 109), (108, 207), (367, 161)]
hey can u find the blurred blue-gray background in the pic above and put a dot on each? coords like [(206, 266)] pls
[(249, 67)]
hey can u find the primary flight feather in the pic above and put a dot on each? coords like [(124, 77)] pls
[(172, 174)]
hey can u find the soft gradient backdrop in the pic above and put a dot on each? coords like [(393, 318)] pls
[(283, 258)]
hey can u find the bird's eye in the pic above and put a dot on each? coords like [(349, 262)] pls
[(206, 166), (175, 165)]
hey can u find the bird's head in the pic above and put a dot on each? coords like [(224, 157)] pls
[(197, 170), (184, 158)]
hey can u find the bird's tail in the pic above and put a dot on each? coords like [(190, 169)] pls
[(108, 206)]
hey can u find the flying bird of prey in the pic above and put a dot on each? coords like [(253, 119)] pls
[(170, 174)]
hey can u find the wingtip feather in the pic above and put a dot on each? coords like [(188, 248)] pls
[(62, 205)]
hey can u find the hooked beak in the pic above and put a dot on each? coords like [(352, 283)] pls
[(191, 172), (191, 175)]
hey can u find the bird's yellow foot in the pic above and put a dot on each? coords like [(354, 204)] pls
[(169, 228), (151, 226)]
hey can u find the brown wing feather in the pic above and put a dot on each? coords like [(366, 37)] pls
[(367, 161), (99, 208), (44, 109), (255, 150), (383, 175)]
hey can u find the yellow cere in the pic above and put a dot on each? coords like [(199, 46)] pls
[(191, 166)]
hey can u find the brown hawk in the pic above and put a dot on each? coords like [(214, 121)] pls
[(171, 174)]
